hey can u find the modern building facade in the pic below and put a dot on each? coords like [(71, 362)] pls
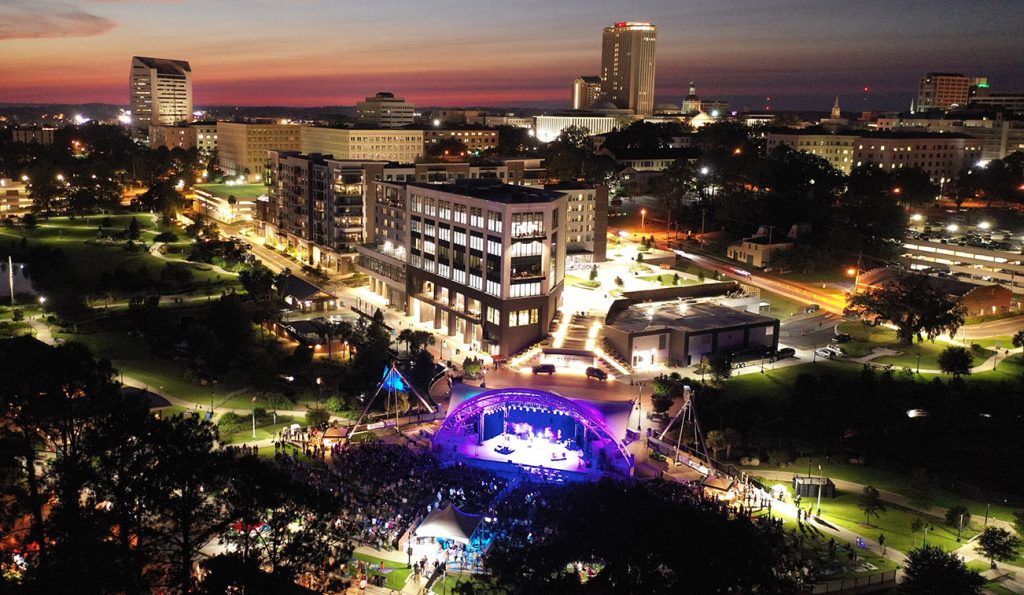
[(627, 66), (385, 110), (242, 146), (197, 135), (403, 146), (14, 196), (586, 222), (479, 260), (314, 208), (942, 91), (586, 91), (161, 93)]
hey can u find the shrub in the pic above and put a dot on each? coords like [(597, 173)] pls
[(166, 236), (260, 413), (317, 417)]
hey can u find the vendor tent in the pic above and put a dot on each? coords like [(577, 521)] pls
[(449, 523)]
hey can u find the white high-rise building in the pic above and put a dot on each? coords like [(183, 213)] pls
[(385, 110), (627, 66), (161, 93)]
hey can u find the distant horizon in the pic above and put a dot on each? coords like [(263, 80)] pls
[(449, 53)]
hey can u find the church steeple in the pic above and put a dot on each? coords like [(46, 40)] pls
[(836, 112)]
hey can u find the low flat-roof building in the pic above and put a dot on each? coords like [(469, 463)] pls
[(39, 135), (680, 333), (228, 203)]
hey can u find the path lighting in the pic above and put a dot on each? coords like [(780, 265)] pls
[(984, 225), (952, 227), (643, 218)]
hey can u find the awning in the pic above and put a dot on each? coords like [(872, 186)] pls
[(449, 523)]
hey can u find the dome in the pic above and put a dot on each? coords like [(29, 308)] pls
[(604, 104)]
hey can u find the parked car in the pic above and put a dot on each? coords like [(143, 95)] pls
[(828, 353), (783, 354), (812, 308), (597, 373), (842, 338), (544, 369)]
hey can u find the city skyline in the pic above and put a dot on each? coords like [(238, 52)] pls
[(454, 54)]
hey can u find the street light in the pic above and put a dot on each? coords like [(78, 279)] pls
[(820, 481), (643, 218), (254, 418)]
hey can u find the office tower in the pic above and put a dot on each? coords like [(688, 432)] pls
[(941, 91), (477, 259), (627, 66), (161, 93), (385, 110), (586, 91)]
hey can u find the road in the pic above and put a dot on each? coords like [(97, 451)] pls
[(808, 331)]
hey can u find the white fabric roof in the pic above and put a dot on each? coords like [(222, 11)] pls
[(449, 523)]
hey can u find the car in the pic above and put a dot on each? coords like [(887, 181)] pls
[(783, 354), (842, 338), (828, 353), (597, 373), (544, 369), (812, 308)]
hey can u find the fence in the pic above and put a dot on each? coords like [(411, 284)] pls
[(858, 584)]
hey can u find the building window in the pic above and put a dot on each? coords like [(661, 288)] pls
[(517, 290), (494, 221), (494, 288), (493, 246), (494, 316), (523, 317), (476, 217), (460, 213)]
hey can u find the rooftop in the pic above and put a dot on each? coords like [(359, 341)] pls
[(493, 191), (165, 65), (239, 191), (687, 317)]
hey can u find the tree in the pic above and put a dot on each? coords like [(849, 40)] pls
[(915, 306), (871, 503), (913, 185), (956, 360), (619, 282), (715, 441), (593, 273), (930, 570), (1018, 522), (997, 544), (957, 514), (423, 370), (665, 390), (317, 417), (447, 148), (1018, 339), (720, 365), (731, 438)]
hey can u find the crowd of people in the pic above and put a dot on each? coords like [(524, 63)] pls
[(383, 489)]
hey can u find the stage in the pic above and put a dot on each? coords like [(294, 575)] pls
[(535, 451)]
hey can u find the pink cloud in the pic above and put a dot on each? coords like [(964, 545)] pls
[(41, 19)]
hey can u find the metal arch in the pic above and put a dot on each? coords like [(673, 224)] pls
[(472, 406)]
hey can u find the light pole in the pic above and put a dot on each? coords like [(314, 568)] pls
[(643, 218), (639, 406), (254, 418), (820, 481), (919, 364), (959, 527)]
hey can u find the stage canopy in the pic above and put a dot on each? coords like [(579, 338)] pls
[(449, 523)]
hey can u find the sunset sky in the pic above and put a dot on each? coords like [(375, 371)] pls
[(509, 52)]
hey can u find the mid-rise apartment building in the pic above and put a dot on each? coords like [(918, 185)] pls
[(586, 91), (943, 156), (476, 139), (161, 93), (242, 146), (998, 136), (197, 135), (586, 222), (836, 148), (942, 91), (479, 260), (385, 110), (404, 146), (37, 135), (14, 196), (314, 207)]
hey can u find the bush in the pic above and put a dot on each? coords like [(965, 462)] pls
[(260, 413), (953, 515), (18, 315), (337, 405), (472, 366), (317, 417), (166, 236)]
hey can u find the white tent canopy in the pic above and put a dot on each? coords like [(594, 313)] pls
[(449, 523)]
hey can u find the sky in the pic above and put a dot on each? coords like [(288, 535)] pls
[(801, 53)]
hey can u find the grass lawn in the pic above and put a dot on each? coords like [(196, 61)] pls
[(866, 338), (264, 430), (668, 280), (396, 578), (901, 483), (1000, 341), (90, 255), (781, 307), (239, 191), (457, 582), (895, 523), (776, 383)]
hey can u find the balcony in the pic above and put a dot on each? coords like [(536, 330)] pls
[(533, 273)]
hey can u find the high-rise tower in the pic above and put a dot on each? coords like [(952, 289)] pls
[(161, 93), (627, 66)]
